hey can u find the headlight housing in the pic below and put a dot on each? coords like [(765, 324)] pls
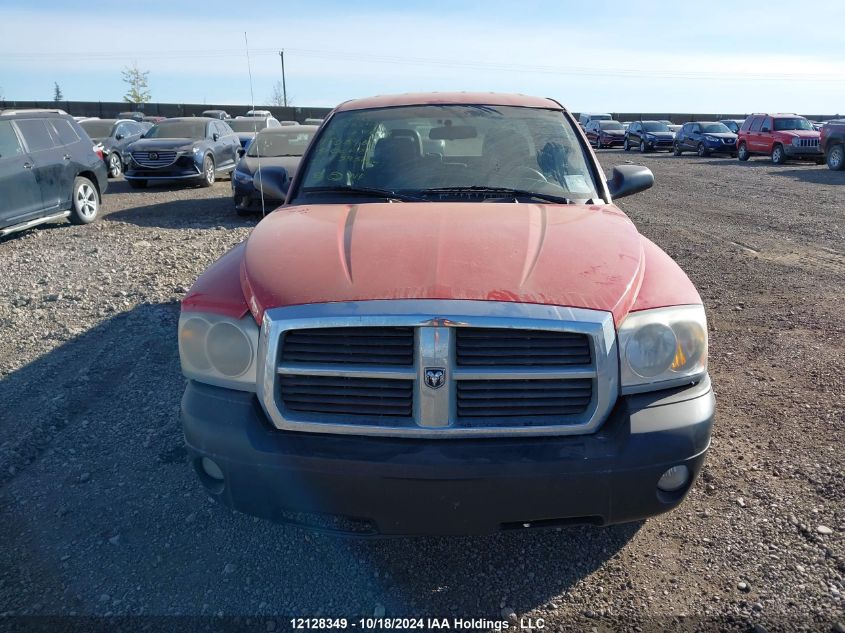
[(219, 350), (662, 348), (796, 142), (242, 177)]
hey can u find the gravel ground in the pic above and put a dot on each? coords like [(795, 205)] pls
[(100, 514)]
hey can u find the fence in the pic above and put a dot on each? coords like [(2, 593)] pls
[(110, 109)]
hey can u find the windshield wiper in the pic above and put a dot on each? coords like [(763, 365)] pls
[(363, 191), (502, 191)]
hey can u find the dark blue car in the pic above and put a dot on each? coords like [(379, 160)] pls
[(705, 138)]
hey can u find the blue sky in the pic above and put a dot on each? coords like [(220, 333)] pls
[(601, 55)]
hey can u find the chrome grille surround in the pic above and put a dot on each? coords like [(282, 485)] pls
[(434, 321)]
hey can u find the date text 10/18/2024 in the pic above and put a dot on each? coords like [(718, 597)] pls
[(411, 624)]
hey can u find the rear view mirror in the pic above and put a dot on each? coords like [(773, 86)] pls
[(452, 133), (272, 181), (629, 179)]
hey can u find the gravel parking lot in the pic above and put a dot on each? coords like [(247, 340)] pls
[(101, 515)]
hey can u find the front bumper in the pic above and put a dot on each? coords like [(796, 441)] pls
[(184, 168), (662, 143), (612, 141), (399, 486), (803, 152)]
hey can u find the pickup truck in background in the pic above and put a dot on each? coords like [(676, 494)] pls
[(832, 141)]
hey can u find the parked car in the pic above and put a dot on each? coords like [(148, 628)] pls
[(705, 138), (216, 114), (288, 122), (48, 171), (279, 147), (586, 117), (673, 127), (436, 356), (832, 143), (190, 148), (153, 119), (648, 136), (247, 126), (781, 136), (259, 113), (115, 135), (134, 116), (732, 124), (312, 121), (603, 133)]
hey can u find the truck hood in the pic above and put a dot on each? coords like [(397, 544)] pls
[(800, 133), (249, 164), (587, 256)]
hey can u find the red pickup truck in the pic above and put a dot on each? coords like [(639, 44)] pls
[(448, 328)]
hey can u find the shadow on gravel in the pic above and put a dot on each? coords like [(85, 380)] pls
[(122, 186), (185, 213), (106, 517), (818, 176)]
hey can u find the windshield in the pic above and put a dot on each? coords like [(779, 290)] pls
[(280, 143), (796, 123), (714, 128), (416, 149), (97, 128), (247, 125), (611, 125), (655, 126), (177, 129)]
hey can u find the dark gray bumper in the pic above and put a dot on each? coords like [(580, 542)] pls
[(462, 486)]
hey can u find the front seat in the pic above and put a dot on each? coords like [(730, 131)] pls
[(392, 156), (505, 151)]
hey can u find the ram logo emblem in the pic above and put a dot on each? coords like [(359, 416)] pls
[(435, 377)]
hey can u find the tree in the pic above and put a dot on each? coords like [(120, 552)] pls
[(136, 79), (57, 92), (278, 96)]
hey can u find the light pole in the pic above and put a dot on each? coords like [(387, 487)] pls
[(284, 86)]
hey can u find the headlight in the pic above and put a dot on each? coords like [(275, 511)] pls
[(650, 137), (662, 348), (711, 139), (796, 142), (219, 350)]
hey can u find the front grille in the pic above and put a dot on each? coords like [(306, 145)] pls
[(350, 346), (469, 373), (511, 347), (162, 159), (808, 142), (522, 398), (370, 398)]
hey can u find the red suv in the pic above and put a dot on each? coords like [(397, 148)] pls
[(781, 136)]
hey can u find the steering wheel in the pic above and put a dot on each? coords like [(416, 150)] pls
[(530, 173)]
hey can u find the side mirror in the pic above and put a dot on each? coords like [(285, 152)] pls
[(215, 136), (629, 179), (272, 181), (765, 129), (240, 151)]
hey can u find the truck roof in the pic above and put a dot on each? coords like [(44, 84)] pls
[(449, 98)]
